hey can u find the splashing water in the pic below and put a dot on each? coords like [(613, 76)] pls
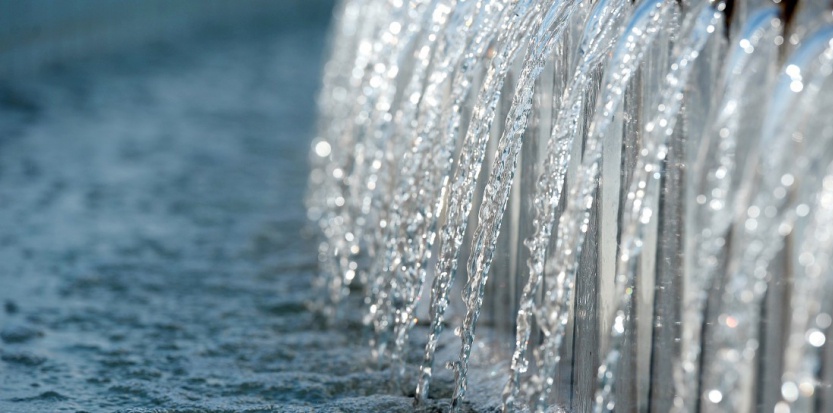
[(500, 180), (732, 133), (678, 229), (694, 33), (457, 200), (603, 25), (391, 285), (780, 171)]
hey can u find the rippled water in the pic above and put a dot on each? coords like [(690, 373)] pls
[(151, 253)]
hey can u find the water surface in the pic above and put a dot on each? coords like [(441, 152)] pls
[(151, 256)]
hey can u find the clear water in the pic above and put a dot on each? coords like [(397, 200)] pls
[(666, 245), (152, 258)]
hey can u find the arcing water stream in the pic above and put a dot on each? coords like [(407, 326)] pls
[(661, 166)]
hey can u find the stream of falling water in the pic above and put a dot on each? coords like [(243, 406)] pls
[(600, 32), (500, 180), (676, 221)]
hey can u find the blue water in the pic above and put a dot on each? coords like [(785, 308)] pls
[(151, 248)]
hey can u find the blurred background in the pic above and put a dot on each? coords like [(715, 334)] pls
[(36, 33), (153, 158)]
